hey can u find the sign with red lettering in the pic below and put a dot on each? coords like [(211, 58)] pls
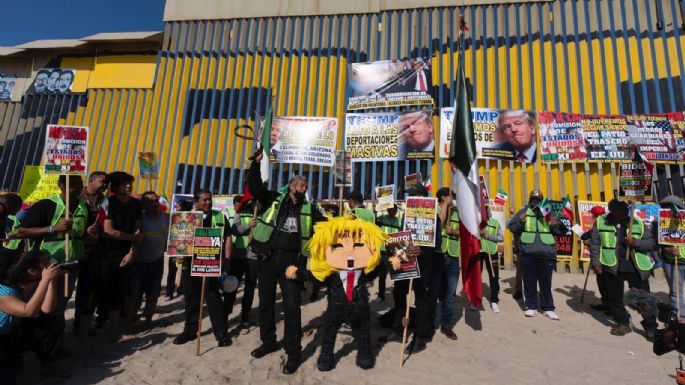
[(207, 252), (65, 151)]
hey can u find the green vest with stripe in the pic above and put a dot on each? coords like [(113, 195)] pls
[(53, 244), (13, 244), (241, 241), (364, 214), (218, 219), (535, 225), (607, 244), (486, 245), (450, 243), (389, 225), (681, 250), (266, 224)]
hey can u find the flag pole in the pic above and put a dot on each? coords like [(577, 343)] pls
[(66, 237), (199, 321)]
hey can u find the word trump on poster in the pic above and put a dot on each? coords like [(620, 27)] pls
[(206, 252), (65, 150)]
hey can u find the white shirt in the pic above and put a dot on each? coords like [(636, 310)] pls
[(529, 153), (343, 277)]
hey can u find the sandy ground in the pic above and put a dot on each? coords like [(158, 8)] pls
[(492, 348)]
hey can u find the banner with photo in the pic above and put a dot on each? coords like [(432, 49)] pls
[(389, 83), (587, 220), (7, 84), (52, 81), (655, 137), (419, 219), (677, 120), (564, 242), (305, 140), (649, 213), (672, 227), (65, 150), (499, 134)]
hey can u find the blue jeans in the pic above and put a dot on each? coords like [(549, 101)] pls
[(452, 270), (669, 271)]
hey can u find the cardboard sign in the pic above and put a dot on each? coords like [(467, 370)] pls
[(635, 181), (182, 232), (671, 227), (65, 151), (420, 220), (385, 197), (401, 265), (207, 247), (149, 165)]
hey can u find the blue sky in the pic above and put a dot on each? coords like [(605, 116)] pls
[(28, 20)]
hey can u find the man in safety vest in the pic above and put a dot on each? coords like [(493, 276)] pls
[(242, 266), (490, 236), (45, 224), (390, 223), (192, 286), (451, 250), (669, 253), (10, 204), (538, 253), (285, 224), (358, 209), (608, 245)]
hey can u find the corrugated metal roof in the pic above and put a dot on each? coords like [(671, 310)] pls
[(51, 43), (125, 36)]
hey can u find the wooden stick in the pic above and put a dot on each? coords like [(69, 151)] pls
[(676, 278), (405, 323), (66, 239), (340, 203), (587, 274), (629, 233), (199, 322)]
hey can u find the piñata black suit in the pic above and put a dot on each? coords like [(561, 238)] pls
[(340, 311)]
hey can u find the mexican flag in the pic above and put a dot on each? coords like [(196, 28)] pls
[(501, 198), (545, 208), (463, 161), (265, 140), (567, 208)]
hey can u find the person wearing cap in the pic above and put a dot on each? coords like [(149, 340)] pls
[(192, 286), (451, 251), (538, 254), (608, 257), (390, 223), (358, 209), (669, 253), (596, 212), (490, 236)]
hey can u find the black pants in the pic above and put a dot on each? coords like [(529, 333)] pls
[(269, 272), (171, 279), (491, 262), (537, 271), (382, 274), (436, 286), (85, 290), (614, 285), (242, 268), (422, 325), (111, 282), (602, 287), (193, 289)]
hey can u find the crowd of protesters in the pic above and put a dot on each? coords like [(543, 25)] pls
[(109, 247)]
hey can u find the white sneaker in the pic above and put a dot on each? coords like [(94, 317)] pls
[(495, 307), (551, 315), (530, 312)]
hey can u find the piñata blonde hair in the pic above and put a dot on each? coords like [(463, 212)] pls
[(326, 233)]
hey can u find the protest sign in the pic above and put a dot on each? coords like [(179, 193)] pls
[(634, 181), (672, 227), (677, 120), (390, 136), (182, 202), (304, 140), (223, 203), (343, 168), (419, 219), (649, 213), (149, 165), (385, 197), (65, 151), (181, 233), (52, 81), (401, 265), (654, 137), (498, 212), (561, 138), (499, 134), (206, 252), (587, 220), (606, 138), (412, 180), (35, 185), (389, 83), (564, 243)]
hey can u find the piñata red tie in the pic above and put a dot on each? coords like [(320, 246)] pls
[(350, 285)]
